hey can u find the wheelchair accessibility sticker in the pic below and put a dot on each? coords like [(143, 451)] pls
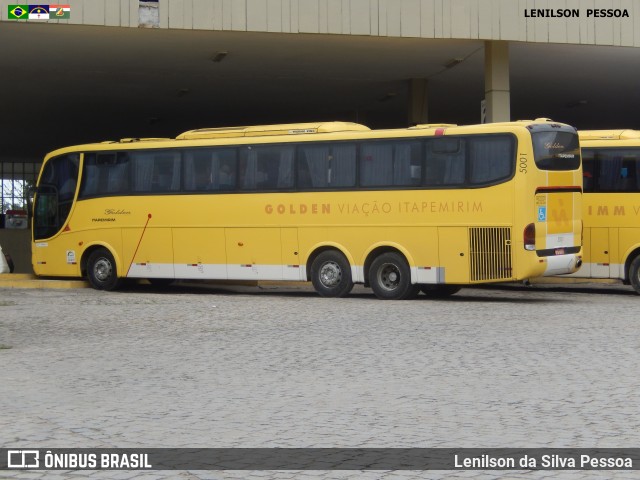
[(542, 214)]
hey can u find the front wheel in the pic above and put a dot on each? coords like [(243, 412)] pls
[(331, 274), (634, 274), (390, 277), (101, 270)]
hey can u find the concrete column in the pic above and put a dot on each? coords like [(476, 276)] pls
[(496, 81), (417, 111)]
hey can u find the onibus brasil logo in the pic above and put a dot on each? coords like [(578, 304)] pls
[(39, 12)]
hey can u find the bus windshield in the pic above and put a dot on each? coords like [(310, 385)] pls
[(556, 149), (54, 195)]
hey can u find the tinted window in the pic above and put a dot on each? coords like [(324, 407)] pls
[(105, 173), (266, 167), (491, 159), (556, 150), (445, 161), (210, 169), (472, 160), (155, 170), (390, 163), (611, 170), (327, 165)]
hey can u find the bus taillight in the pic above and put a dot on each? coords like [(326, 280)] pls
[(530, 237)]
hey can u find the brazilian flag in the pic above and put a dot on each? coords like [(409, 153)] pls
[(18, 12)]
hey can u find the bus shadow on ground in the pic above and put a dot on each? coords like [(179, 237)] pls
[(475, 294), (589, 288)]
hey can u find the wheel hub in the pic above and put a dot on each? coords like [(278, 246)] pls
[(330, 274), (389, 276), (102, 269)]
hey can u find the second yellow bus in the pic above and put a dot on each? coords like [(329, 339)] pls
[(611, 213)]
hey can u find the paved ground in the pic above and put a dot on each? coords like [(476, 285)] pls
[(274, 367)]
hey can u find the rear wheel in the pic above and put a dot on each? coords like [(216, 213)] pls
[(331, 274), (634, 274), (101, 270), (390, 277), (439, 291)]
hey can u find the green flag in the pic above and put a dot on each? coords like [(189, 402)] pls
[(18, 12), (59, 12)]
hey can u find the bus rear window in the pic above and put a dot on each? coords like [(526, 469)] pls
[(556, 150)]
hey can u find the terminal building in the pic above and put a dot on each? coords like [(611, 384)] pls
[(94, 70)]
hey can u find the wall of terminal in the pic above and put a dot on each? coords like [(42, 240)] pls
[(511, 20)]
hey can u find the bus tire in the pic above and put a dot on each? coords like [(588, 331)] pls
[(390, 277), (440, 291), (634, 274), (101, 270), (331, 274)]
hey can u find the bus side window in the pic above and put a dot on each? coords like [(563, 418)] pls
[(628, 173), (304, 175), (90, 176), (376, 164), (609, 171), (105, 173), (118, 175), (342, 171), (328, 165), (267, 167), (156, 171), (227, 175), (587, 171), (445, 161), (389, 164), (407, 169), (313, 162), (491, 159), (89, 180), (166, 172), (209, 169)]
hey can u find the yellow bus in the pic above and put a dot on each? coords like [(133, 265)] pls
[(429, 208), (611, 208)]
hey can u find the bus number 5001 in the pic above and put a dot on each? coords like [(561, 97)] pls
[(523, 164)]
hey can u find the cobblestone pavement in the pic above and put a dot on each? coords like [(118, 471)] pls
[(281, 367)]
